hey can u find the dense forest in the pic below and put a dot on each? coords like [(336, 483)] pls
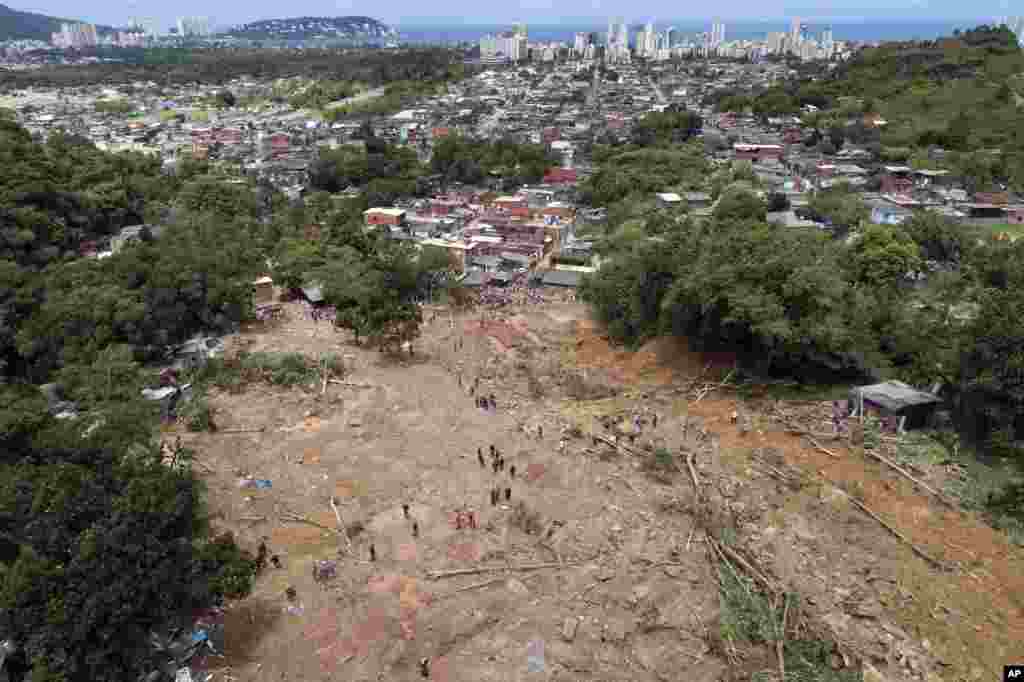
[(217, 66)]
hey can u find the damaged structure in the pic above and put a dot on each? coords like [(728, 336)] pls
[(894, 400)]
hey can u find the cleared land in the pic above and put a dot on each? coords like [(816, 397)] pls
[(644, 575)]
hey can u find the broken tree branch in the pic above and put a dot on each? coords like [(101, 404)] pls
[(341, 526), (820, 447), (474, 586), (906, 474), (693, 473), (296, 518), (259, 430), (914, 548), (746, 565), (717, 550), (618, 446), (351, 384), (435, 575)]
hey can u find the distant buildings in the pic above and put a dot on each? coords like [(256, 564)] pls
[(717, 34), (75, 36), (509, 46), (146, 26), (193, 27), (1016, 24), (617, 42), (796, 31)]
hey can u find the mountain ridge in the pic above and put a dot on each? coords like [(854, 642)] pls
[(18, 25), (310, 27)]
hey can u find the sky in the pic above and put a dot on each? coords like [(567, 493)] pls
[(411, 12)]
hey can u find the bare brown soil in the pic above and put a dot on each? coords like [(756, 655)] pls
[(629, 592)]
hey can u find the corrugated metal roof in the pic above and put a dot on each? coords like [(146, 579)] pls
[(893, 395)]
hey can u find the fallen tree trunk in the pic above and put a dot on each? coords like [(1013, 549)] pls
[(906, 474), (435, 575), (914, 548)]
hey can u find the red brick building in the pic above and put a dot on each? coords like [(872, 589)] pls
[(384, 216), (560, 176)]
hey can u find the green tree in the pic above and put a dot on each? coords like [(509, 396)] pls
[(882, 255), (938, 238)]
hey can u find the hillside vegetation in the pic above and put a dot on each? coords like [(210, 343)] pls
[(963, 94), (18, 25)]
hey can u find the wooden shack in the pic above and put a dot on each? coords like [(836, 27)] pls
[(894, 399)]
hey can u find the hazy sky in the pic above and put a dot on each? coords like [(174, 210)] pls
[(408, 12)]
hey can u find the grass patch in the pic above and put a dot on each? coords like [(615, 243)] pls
[(991, 488), (807, 660), (279, 369), (1014, 230), (198, 415), (792, 391), (748, 618), (661, 465)]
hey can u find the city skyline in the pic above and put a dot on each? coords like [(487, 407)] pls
[(593, 14)]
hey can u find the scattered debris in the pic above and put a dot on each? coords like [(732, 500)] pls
[(258, 483)]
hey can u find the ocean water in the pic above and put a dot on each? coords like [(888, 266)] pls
[(867, 31)]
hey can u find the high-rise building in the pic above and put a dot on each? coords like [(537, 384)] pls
[(579, 44), (795, 34), (776, 42), (828, 43), (76, 36), (144, 25), (617, 42), (647, 42), (717, 37), (488, 46), (1016, 24), (670, 37), (196, 27)]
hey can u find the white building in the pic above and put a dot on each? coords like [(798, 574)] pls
[(193, 26), (1016, 24), (828, 43), (75, 36), (579, 45), (717, 34)]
